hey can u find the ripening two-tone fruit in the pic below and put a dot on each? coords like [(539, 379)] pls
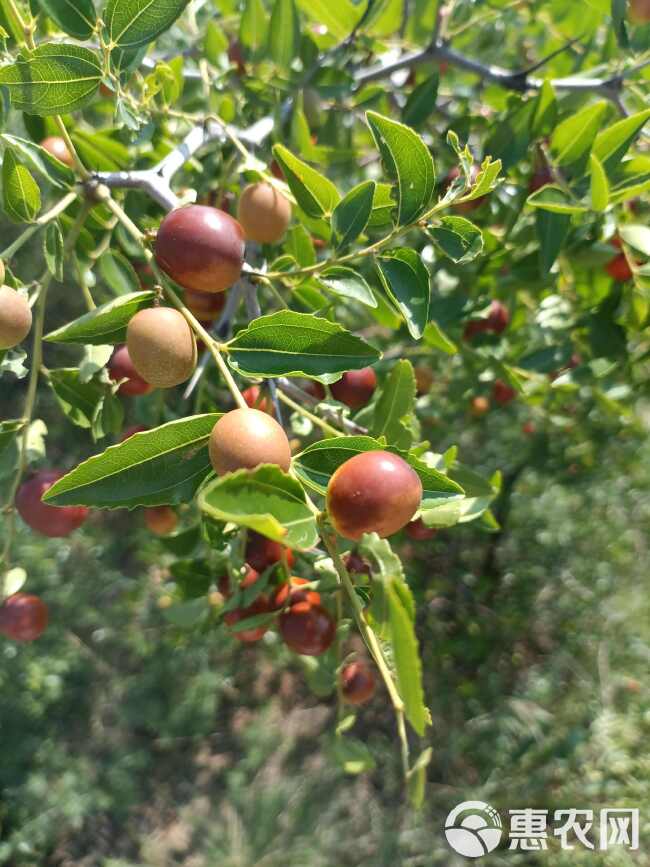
[(53, 521), (355, 388), (292, 591), (200, 248), (161, 346), (255, 399), (264, 213), (246, 438), (23, 617), (307, 629), (479, 406), (262, 552), (373, 492), (160, 520), (261, 605), (358, 683), (57, 148), (15, 317), (121, 369)]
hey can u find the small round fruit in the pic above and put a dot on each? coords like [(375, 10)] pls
[(57, 148), (423, 379), (256, 400), (264, 213), (307, 629), (246, 581), (260, 606), (162, 346), (200, 248), (204, 305), (315, 389), (236, 55), (23, 617), (419, 532), (619, 269), (528, 428), (15, 318), (357, 683), (292, 592), (373, 492), (480, 405), (262, 552), (355, 564), (502, 393), (160, 520), (246, 438), (639, 11), (355, 388), (120, 367), (498, 317), (52, 521)]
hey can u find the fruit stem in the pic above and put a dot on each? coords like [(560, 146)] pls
[(104, 194), (319, 422), (30, 398)]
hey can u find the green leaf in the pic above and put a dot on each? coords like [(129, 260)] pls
[(408, 162), (551, 229), (21, 195), (418, 778), (103, 325), (284, 33), (599, 185), (554, 199), (458, 238), (421, 101), (383, 206), (433, 335), (407, 663), (352, 755), (636, 236), (53, 250), (350, 217), (612, 143), (348, 284), (132, 23), (313, 192), (318, 462), (298, 344), (9, 430), (265, 500), (40, 161), (53, 79), (572, 140), (90, 405), (118, 273), (545, 110), (395, 405), (405, 278), (619, 14), (485, 181), (75, 17), (163, 466), (254, 26), (339, 17)]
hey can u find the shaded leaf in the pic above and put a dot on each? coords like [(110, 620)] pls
[(405, 278)]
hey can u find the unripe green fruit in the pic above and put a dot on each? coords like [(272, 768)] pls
[(246, 438), (161, 346), (373, 492), (264, 213), (15, 318)]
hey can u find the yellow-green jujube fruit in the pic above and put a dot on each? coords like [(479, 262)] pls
[(263, 213), (15, 317), (161, 346)]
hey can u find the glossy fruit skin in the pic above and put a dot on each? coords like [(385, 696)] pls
[(120, 367), (373, 492), (52, 521), (358, 683), (261, 605), (291, 592), (15, 318), (160, 520), (502, 393), (419, 532), (316, 389), (23, 617), (355, 388), (200, 248), (496, 321), (307, 629), (639, 11), (480, 405), (256, 400), (161, 346), (57, 147), (619, 269), (246, 438), (204, 305), (262, 552), (264, 213)]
